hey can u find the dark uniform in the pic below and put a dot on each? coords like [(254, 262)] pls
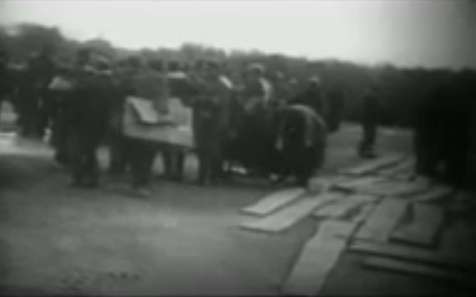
[(173, 158), (210, 123), (312, 97), (60, 98), (335, 110), (369, 122), (118, 160), (147, 84), (258, 124), (88, 117), (4, 81), (34, 105)]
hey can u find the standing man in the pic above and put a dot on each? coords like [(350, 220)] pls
[(148, 84), (210, 121), (5, 83), (173, 157), (335, 110), (369, 122), (62, 124), (312, 96), (118, 160), (89, 114), (258, 120), (40, 71), (43, 70)]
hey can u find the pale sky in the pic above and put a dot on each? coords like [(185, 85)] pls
[(430, 33)]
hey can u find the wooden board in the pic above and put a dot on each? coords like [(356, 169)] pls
[(318, 257), (364, 213), (274, 201), (343, 206), (434, 194), (374, 165), (325, 183), (405, 166), (180, 135), (424, 228), (383, 220), (394, 189), (420, 269), (289, 216), (413, 254), (358, 182)]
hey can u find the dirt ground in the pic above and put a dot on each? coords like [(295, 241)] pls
[(184, 240)]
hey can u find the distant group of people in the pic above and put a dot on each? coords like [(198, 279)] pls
[(265, 122), (83, 104)]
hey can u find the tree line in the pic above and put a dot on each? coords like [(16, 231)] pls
[(400, 89)]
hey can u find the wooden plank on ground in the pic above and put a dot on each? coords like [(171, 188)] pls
[(358, 182), (274, 201), (325, 183), (374, 165), (420, 269), (343, 206), (383, 220), (364, 213), (413, 254), (423, 230), (404, 167), (318, 257), (434, 194), (289, 216), (394, 189)]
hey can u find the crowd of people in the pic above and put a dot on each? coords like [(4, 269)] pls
[(82, 103)]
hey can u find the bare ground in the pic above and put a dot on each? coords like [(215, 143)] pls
[(183, 241)]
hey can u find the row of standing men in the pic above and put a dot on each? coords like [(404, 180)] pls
[(84, 117)]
